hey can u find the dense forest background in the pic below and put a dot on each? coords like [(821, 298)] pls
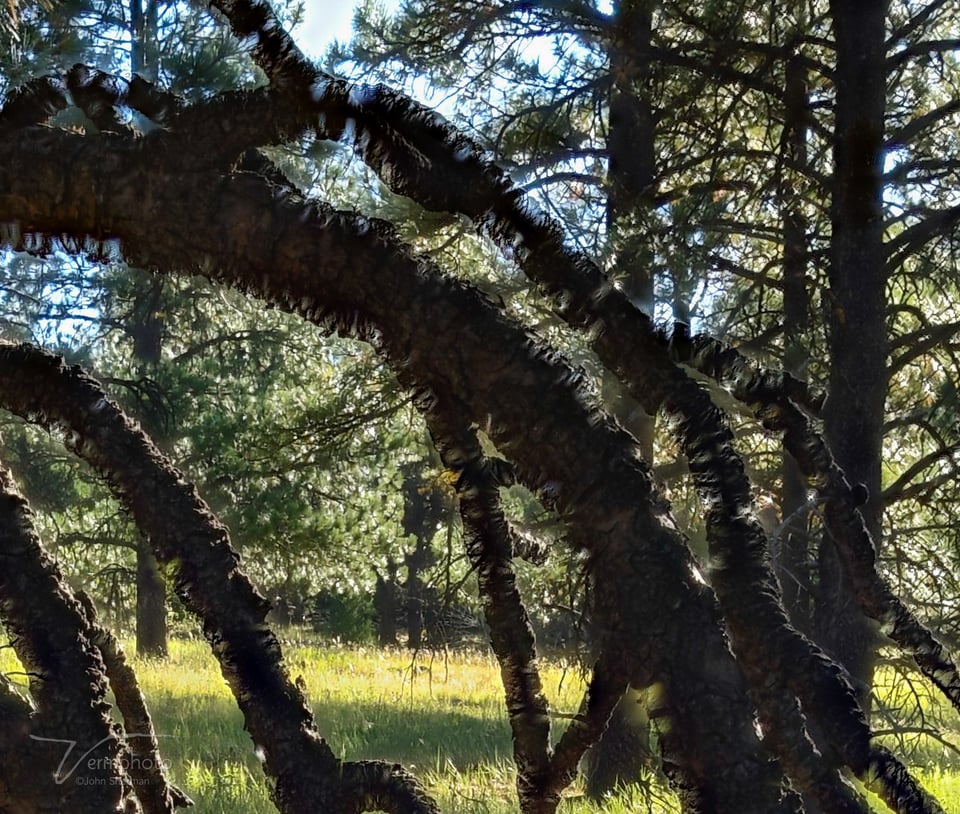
[(610, 184)]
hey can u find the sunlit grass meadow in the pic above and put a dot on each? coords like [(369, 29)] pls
[(443, 718)]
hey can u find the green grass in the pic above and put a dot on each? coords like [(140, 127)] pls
[(442, 719)]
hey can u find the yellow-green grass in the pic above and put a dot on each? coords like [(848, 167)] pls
[(442, 718)]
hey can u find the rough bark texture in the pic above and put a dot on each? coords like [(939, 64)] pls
[(48, 631), (584, 298), (144, 762), (580, 291), (273, 58), (489, 546), (766, 392), (304, 773), (491, 543), (443, 339)]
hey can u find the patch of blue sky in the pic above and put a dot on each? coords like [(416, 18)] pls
[(327, 21), (56, 310)]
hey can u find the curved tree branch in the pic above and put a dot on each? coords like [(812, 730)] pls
[(542, 773), (585, 299), (49, 634), (843, 521), (375, 785), (445, 341), (155, 793), (187, 538), (487, 538)]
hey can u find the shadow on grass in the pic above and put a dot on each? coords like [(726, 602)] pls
[(203, 726), (211, 756)]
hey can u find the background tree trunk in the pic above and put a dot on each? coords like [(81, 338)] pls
[(386, 605), (853, 415), (151, 604), (624, 748), (793, 541)]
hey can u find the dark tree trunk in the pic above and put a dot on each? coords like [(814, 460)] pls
[(422, 511), (713, 744), (631, 150), (145, 329), (143, 38), (853, 414), (146, 324), (793, 543), (386, 606), (146, 766), (624, 749), (304, 773), (489, 545), (414, 593), (642, 564), (623, 752), (492, 543), (151, 604), (49, 633)]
